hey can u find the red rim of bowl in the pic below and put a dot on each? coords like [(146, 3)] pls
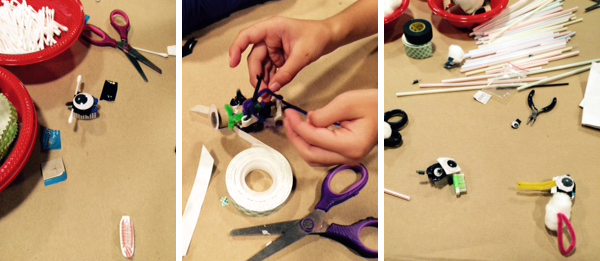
[(468, 18), (68, 13), (396, 14), (23, 145)]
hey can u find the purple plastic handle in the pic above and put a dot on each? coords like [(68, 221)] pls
[(350, 236), (122, 29), (330, 198), (105, 41)]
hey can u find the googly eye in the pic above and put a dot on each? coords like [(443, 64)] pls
[(438, 172), (83, 101), (450, 166), (565, 183)]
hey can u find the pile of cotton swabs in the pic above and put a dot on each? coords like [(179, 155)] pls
[(25, 30), (517, 43)]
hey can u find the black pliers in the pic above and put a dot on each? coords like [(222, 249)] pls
[(534, 111), (593, 7), (395, 140)]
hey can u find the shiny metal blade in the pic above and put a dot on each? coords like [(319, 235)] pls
[(137, 66), (289, 237), (268, 229), (143, 59)]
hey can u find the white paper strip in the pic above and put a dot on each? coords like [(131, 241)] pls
[(196, 199)]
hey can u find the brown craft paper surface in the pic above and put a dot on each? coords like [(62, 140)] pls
[(492, 221), (122, 163), (207, 79)]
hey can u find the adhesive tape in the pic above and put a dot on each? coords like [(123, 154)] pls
[(259, 157), (417, 37)]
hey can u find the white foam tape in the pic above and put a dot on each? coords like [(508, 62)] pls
[(172, 50), (267, 159), (196, 199), (482, 97)]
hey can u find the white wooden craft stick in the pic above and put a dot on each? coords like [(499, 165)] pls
[(562, 67), (465, 84), (553, 78), (493, 38), (457, 89), (396, 194), (152, 52)]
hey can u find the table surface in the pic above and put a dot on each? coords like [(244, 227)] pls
[(492, 221), (207, 79), (122, 163)]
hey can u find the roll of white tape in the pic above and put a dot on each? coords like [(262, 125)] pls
[(254, 203)]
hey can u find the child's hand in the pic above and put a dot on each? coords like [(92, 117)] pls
[(319, 144), (282, 47)]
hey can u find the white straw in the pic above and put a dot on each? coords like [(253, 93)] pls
[(458, 89), (520, 20), (465, 84), (396, 194)]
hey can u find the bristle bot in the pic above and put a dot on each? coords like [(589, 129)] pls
[(558, 209), (85, 106), (447, 169)]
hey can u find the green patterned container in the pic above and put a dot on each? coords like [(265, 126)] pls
[(423, 51)]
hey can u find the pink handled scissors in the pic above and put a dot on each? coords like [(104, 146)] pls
[(133, 55)]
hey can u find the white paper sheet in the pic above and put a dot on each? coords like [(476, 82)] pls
[(196, 199), (591, 100)]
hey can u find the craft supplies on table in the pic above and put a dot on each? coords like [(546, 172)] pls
[(134, 56), (264, 158), (315, 223), (417, 37)]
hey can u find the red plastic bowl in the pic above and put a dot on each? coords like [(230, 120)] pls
[(66, 12), (467, 21), (396, 14), (18, 155)]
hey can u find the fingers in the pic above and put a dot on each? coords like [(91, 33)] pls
[(256, 62), (315, 155), (347, 106), (293, 64), (251, 35), (339, 141)]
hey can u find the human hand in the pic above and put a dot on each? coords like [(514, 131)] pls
[(282, 47), (320, 144)]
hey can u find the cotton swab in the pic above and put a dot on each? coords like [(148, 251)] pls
[(396, 194), (152, 52), (554, 78), (76, 91)]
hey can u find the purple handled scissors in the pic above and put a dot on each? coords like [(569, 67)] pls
[(133, 55), (315, 223)]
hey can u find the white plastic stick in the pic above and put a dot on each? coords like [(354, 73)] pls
[(152, 52), (520, 20), (503, 14), (528, 59), (76, 91), (458, 89), (465, 84), (514, 14), (554, 78), (517, 55), (396, 194), (534, 21)]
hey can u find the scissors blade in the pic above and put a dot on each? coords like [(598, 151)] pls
[(292, 235), (137, 66), (268, 229), (144, 60)]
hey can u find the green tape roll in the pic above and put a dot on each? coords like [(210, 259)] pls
[(423, 51)]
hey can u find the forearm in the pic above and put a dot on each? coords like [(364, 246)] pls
[(354, 23)]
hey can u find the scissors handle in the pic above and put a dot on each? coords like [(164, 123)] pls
[(330, 198), (122, 29), (105, 41), (350, 236)]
